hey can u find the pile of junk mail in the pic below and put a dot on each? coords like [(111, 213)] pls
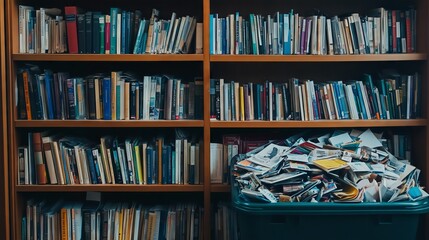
[(343, 166)]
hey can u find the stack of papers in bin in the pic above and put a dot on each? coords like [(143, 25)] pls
[(340, 167)]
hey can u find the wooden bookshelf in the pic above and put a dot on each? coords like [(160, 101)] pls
[(111, 188), (109, 57), (108, 123), (4, 165), (208, 66)]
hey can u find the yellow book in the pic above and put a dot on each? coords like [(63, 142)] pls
[(121, 218), (64, 224), (241, 103), (330, 164), (138, 164)]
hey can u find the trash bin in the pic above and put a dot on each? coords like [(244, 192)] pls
[(305, 220)]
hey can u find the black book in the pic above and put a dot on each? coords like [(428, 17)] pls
[(81, 32), (70, 97), (191, 102), (22, 110), (136, 16), (173, 99), (199, 99), (217, 98), (96, 32), (162, 97), (57, 99), (88, 32), (141, 91), (212, 98), (37, 97)]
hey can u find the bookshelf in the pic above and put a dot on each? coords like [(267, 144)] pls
[(242, 68), (4, 185)]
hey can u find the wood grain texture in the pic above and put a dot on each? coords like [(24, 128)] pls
[(4, 179)]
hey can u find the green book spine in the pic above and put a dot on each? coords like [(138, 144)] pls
[(101, 19), (113, 22)]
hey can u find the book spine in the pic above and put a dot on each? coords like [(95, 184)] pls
[(107, 36), (71, 23)]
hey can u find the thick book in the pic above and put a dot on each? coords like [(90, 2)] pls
[(71, 20), (39, 159)]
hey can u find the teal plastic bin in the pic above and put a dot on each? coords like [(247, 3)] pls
[(345, 221)]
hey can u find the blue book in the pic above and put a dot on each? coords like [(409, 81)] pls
[(71, 98), (212, 36), (113, 34), (286, 34), (169, 164), (253, 34), (107, 115), (90, 162), (164, 179), (115, 162), (258, 111), (173, 164), (362, 104), (373, 101), (144, 38), (96, 164), (344, 105), (225, 48), (49, 94), (137, 45)]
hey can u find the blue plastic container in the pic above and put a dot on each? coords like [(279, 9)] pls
[(345, 221)]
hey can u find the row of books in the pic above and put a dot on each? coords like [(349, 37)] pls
[(380, 31), (51, 159), (46, 30), (225, 223), (394, 97), (111, 220), (223, 152), (46, 95)]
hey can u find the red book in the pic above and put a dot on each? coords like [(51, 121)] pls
[(38, 158), (408, 30), (71, 12), (107, 34), (394, 34)]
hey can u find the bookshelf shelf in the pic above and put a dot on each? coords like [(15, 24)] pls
[(108, 123), (220, 188), (322, 58), (320, 124), (109, 57), (111, 188)]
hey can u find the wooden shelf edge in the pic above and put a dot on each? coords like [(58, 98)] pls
[(220, 188), (108, 57), (109, 123), (319, 58), (110, 188), (320, 123)]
